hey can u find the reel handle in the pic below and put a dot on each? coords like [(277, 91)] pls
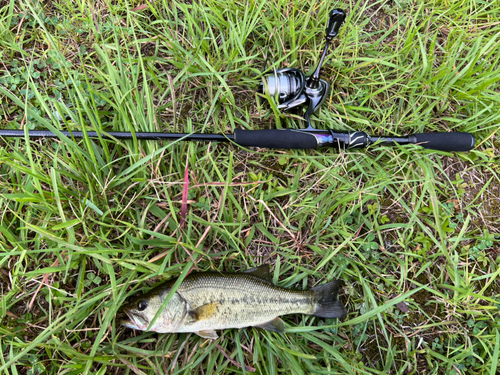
[(335, 21)]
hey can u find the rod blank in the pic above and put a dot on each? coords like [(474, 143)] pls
[(144, 136)]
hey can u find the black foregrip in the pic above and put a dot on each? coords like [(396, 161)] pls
[(445, 141), (275, 138)]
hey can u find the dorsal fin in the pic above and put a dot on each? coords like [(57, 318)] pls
[(262, 272)]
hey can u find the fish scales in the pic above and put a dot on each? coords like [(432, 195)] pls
[(243, 300), (209, 301)]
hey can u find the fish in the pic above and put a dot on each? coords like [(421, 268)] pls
[(208, 301)]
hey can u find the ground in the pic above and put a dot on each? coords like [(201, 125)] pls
[(84, 224)]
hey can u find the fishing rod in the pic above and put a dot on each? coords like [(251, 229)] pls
[(279, 138), (293, 91)]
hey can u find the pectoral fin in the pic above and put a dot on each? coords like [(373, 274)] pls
[(208, 334), (275, 325), (204, 312)]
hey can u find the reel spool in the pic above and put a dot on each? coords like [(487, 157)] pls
[(293, 89)]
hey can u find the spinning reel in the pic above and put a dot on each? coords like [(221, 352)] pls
[(291, 86), (293, 90)]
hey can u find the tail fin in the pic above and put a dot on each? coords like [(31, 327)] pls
[(327, 303)]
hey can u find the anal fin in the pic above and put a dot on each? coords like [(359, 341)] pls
[(275, 325), (208, 334)]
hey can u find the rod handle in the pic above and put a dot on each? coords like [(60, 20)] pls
[(276, 138), (453, 141)]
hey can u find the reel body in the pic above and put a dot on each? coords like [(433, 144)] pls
[(293, 89)]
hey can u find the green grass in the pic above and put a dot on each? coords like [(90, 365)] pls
[(86, 223)]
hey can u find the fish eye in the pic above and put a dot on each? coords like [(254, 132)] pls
[(141, 306)]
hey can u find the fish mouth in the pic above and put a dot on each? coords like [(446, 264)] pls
[(131, 320), (123, 318)]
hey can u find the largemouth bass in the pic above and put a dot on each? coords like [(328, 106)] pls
[(209, 301)]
